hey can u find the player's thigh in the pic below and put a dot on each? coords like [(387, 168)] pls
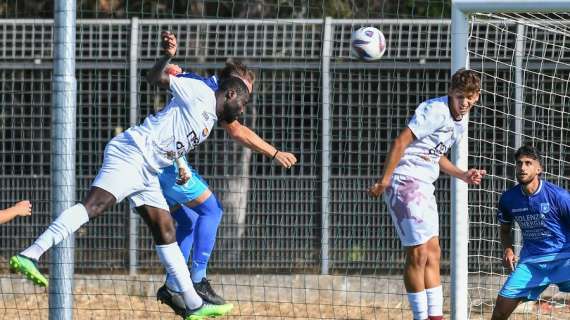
[(123, 171), (181, 194), (151, 195), (526, 282), (413, 209)]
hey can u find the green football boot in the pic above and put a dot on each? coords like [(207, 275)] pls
[(29, 268), (209, 311)]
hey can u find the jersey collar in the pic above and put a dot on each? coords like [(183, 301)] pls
[(534, 193)]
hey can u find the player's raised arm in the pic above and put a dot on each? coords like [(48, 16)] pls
[(471, 176), (250, 139), (22, 208), (156, 75), (394, 156)]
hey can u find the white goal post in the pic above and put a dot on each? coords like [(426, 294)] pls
[(460, 30)]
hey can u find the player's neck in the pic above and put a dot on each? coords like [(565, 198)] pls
[(530, 188), (455, 117)]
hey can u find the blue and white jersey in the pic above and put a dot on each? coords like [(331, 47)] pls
[(544, 220), (185, 122), (436, 132)]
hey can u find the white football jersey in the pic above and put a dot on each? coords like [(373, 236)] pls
[(436, 132), (183, 124)]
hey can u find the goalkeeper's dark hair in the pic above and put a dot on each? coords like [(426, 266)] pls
[(530, 151), (233, 83), (466, 81)]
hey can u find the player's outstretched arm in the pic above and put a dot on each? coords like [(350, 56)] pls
[(471, 176), (156, 75), (250, 139), (509, 258), (394, 156), (22, 208)]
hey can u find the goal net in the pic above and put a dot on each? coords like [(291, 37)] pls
[(524, 65)]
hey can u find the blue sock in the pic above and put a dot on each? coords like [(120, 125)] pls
[(185, 222), (209, 217), (186, 219)]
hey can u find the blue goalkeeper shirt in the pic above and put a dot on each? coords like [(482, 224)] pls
[(544, 220)]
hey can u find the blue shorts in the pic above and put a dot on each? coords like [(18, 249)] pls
[(530, 279), (180, 194)]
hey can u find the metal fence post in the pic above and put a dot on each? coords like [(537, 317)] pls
[(326, 153), (63, 155), (133, 118)]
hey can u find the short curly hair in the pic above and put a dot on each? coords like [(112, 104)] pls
[(466, 81)]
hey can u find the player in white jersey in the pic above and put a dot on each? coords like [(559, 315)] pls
[(131, 163), (194, 207), (412, 165)]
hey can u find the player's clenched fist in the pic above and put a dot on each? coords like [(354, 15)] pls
[(377, 189), (285, 159), (169, 44), (509, 259), (474, 176), (23, 208)]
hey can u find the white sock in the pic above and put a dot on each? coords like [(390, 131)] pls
[(64, 225), (171, 283), (418, 303), (435, 301), (173, 261)]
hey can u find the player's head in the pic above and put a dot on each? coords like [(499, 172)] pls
[(528, 164), (238, 70), (231, 98), (463, 92)]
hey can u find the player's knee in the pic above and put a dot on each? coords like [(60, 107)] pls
[(97, 202), (418, 255), (94, 208), (165, 232)]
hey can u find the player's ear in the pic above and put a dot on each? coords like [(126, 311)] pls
[(230, 94)]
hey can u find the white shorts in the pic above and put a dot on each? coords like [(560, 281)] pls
[(412, 205), (124, 173)]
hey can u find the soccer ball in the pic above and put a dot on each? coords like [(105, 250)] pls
[(368, 44)]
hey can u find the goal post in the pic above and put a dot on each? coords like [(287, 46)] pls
[(460, 31)]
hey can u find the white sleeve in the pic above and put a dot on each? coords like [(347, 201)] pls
[(427, 119), (184, 89)]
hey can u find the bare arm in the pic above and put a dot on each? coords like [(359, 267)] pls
[(156, 75), (509, 257), (394, 156), (251, 140), (471, 176), (22, 208)]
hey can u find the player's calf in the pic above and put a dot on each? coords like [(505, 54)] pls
[(504, 307)]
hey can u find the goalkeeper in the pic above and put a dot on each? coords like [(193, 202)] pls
[(542, 211)]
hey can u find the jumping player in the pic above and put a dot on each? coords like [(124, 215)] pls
[(195, 208), (131, 164), (413, 164)]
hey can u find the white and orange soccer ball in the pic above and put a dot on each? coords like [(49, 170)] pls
[(367, 44)]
